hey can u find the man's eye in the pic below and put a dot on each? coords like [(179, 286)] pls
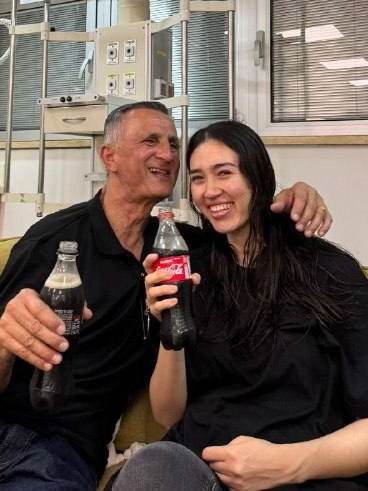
[(174, 145)]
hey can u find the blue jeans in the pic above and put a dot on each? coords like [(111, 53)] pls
[(31, 462), (166, 466)]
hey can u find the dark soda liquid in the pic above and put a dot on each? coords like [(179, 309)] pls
[(50, 390), (177, 325)]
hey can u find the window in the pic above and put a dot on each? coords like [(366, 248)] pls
[(65, 59), (295, 91), (207, 60), (319, 62)]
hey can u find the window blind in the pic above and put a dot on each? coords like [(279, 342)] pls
[(64, 61), (207, 60), (319, 61)]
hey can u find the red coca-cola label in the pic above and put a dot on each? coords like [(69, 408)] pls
[(178, 266)]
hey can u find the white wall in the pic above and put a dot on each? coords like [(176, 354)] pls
[(65, 182), (340, 173)]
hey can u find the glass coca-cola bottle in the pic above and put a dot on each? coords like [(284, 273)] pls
[(177, 325), (63, 292)]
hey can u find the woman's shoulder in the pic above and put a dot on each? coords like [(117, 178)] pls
[(339, 263)]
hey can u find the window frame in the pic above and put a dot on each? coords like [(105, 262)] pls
[(259, 83)]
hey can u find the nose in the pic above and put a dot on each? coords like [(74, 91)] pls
[(164, 151), (211, 188)]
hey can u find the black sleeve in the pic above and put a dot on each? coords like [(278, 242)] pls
[(353, 337)]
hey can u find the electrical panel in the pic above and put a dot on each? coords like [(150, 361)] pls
[(121, 67), (124, 55)]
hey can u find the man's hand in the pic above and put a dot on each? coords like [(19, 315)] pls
[(252, 464), (306, 207), (31, 330)]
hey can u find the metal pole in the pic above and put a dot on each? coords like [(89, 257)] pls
[(9, 123), (41, 165), (184, 109), (231, 23)]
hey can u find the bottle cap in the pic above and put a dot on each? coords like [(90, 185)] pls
[(165, 212), (68, 247)]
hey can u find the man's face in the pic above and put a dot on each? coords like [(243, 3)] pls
[(146, 157)]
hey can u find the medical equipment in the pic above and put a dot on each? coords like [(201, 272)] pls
[(130, 61)]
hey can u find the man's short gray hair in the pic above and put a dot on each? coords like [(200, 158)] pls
[(113, 120)]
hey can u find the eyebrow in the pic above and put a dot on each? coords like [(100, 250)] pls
[(157, 136), (216, 166)]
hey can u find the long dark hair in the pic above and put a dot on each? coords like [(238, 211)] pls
[(281, 264)]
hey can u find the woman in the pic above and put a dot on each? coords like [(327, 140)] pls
[(274, 394)]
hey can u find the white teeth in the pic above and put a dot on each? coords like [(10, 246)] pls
[(224, 206), (154, 170)]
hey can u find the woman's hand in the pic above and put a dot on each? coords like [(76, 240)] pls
[(158, 288), (252, 464)]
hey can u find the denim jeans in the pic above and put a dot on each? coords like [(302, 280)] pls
[(166, 466), (31, 462)]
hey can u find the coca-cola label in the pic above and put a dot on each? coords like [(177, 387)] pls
[(178, 266)]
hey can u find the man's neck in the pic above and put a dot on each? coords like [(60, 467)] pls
[(128, 220)]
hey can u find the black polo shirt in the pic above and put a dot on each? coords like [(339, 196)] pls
[(114, 359)]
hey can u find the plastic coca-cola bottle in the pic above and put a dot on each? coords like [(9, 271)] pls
[(177, 325), (63, 292)]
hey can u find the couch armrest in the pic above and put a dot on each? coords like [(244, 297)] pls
[(5, 248)]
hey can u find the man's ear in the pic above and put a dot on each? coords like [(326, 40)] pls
[(108, 157)]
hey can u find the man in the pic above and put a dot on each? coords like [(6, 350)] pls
[(66, 450)]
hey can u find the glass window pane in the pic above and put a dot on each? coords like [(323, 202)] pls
[(65, 59), (319, 62), (207, 60)]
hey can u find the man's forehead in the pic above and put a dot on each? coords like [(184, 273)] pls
[(140, 123), (149, 117)]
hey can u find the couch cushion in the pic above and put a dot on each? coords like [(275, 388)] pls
[(137, 424)]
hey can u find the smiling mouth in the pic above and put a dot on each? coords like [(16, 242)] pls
[(159, 172), (221, 207)]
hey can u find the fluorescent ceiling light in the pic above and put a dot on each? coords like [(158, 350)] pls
[(290, 34), (348, 63), (359, 83), (313, 34)]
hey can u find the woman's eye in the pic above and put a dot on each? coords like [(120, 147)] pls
[(195, 178), (224, 173)]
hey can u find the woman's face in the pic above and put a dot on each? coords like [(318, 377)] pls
[(220, 190)]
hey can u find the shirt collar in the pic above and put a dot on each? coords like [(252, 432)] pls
[(105, 238)]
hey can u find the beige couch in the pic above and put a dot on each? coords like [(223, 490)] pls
[(137, 423)]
